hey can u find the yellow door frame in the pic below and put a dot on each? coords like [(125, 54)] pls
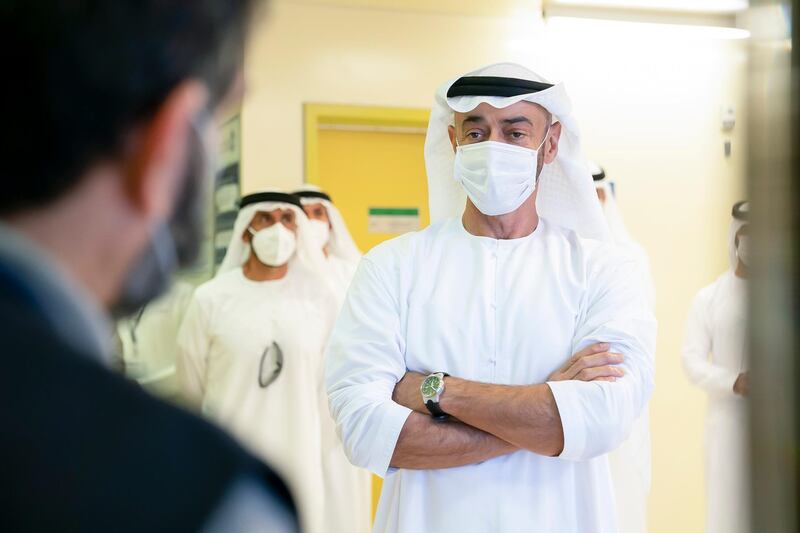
[(316, 115)]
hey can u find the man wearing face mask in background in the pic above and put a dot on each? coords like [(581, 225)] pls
[(348, 488), (329, 227), (450, 370), (250, 347), (102, 201), (714, 360)]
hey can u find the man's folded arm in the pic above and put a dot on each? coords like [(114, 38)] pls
[(571, 419), (425, 443), (598, 416)]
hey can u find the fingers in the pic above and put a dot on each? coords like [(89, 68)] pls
[(589, 350), (593, 361), (592, 349), (591, 374)]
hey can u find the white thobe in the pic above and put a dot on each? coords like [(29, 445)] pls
[(149, 344), (229, 325), (348, 488), (340, 273), (496, 311), (713, 357)]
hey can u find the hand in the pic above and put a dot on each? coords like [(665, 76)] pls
[(593, 363), (407, 393), (742, 384)]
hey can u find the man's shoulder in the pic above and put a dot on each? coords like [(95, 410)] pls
[(592, 254), (222, 283), (78, 432), (707, 293)]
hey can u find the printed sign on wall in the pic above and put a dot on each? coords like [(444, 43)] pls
[(393, 219)]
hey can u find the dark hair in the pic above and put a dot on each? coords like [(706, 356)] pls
[(86, 71)]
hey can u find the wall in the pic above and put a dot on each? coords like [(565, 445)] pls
[(648, 100)]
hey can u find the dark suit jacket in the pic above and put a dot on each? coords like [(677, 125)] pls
[(82, 449)]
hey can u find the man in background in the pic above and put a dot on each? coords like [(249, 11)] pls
[(251, 344), (714, 359), (330, 230), (111, 104), (348, 488)]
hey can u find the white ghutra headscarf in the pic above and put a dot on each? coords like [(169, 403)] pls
[(566, 194), (619, 232)]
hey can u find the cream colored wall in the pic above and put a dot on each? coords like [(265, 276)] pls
[(648, 101)]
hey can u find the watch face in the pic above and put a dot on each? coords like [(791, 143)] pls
[(431, 386)]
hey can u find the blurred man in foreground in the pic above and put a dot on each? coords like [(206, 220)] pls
[(111, 104)]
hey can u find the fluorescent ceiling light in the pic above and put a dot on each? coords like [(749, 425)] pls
[(652, 29), (686, 6)]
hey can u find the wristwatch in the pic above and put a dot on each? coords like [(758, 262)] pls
[(431, 389)]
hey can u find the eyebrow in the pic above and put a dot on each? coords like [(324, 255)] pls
[(507, 121), (517, 120), (473, 118)]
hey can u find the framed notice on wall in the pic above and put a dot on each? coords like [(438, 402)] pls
[(227, 190)]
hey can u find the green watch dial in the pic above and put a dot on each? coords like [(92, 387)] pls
[(431, 385)]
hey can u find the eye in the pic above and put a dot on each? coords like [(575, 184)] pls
[(518, 135)]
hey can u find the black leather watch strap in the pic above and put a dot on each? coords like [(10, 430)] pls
[(436, 411)]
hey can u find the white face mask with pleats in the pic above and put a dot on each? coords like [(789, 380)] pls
[(320, 231), (273, 246), (497, 177)]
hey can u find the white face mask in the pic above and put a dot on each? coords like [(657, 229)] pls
[(498, 177), (273, 246), (320, 232), (743, 250)]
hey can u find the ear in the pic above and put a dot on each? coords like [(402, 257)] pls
[(451, 132), (246, 235), (157, 152), (551, 144)]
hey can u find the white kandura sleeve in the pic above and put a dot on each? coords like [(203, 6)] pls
[(597, 416), (364, 362), (697, 348), (194, 343)]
